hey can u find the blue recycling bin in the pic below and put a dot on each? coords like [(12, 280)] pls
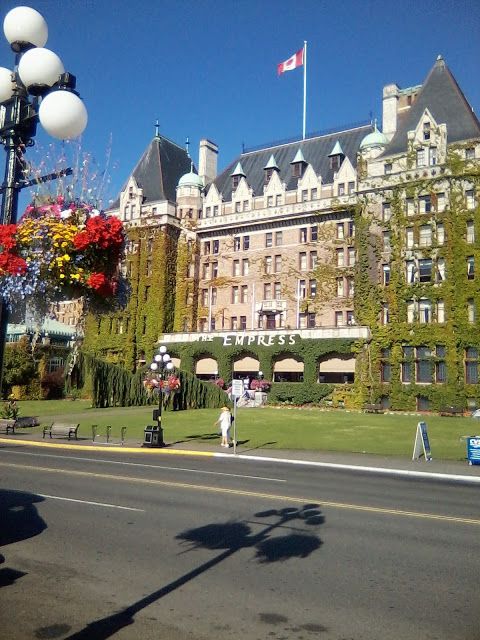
[(473, 449)]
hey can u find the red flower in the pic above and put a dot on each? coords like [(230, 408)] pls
[(7, 236), (99, 283), (10, 263), (103, 232)]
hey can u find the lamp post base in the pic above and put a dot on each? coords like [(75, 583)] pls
[(153, 437)]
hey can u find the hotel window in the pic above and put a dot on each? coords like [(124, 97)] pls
[(340, 289), (410, 205), (385, 313), (267, 291), (420, 157), (206, 271), (386, 274), (340, 258), (470, 153), (245, 267), (425, 204), (351, 229), (426, 130), (270, 201), (312, 285), (244, 293), (425, 237), (246, 205), (470, 232), (206, 248), (440, 234), (350, 286), (407, 364), (236, 268), (471, 310), (216, 246), (313, 233), (311, 320), (424, 365), (440, 364), (410, 311), (303, 235), (208, 212), (432, 155), (387, 167), (351, 188), (246, 242), (440, 269), (212, 324), (302, 289), (409, 238), (340, 231), (313, 194), (278, 238), (302, 261), (341, 189), (204, 297), (268, 264), (410, 270), (133, 210), (236, 243), (235, 181), (471, 365), (313, 260), (386, 240), (214, 269), (424, 311), (234, 323), (214, 295), (297, 170), (350, 318), (304, 195), (238, 206), (215, 211), (235, 295), (425, 270), (278, 200), (440, 312), (385, 366), (269, 239), (351, 256), (386, 211), (277, 291), (278, 263), (339, 318), (243, 323), (202, 325), (470, 198), (126, 213), (471, 267)]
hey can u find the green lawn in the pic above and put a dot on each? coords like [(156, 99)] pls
[(269, 427)]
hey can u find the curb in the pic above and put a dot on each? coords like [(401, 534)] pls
[(406, 473)]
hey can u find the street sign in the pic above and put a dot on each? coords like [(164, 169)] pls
[(237, 388), (473, 449), (422, 445)]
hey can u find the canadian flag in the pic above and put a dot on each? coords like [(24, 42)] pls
[(292, 63)]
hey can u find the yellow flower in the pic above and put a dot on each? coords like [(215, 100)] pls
[(66, 257)]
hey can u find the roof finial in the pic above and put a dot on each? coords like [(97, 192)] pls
[(187, 146), (157, 134)]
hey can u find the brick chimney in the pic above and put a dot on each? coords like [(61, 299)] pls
[(207, 161)]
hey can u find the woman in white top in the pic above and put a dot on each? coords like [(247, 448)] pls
[(225, 420)]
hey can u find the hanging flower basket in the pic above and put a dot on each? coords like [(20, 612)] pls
[(154, 383), (61, 251)]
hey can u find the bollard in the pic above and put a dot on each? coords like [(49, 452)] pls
[(122, 434), (94, 432), (109, 428)]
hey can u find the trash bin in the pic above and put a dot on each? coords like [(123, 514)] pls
[(153, 436), (473, 449)]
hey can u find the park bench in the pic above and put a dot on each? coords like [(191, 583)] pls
[(7, 425), (451, 411), (61, 430), (373, 408)]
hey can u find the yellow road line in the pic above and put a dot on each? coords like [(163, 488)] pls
[(117, 449), (252, 494)]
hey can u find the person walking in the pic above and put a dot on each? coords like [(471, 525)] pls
[(224, 421)]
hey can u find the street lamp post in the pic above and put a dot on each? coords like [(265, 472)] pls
[(38, 89), (162, 364)]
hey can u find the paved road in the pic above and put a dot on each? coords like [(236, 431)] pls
[(103, 546)]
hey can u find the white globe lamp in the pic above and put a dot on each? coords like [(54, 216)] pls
[(23, 26), (40, 67), (7, 85), (63, 115), (154, 366)]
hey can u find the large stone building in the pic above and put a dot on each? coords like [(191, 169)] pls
[(344, 259)]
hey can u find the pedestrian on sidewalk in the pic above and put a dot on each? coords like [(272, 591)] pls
[(224, 421)]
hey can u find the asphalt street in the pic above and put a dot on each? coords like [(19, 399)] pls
[(124, 546)]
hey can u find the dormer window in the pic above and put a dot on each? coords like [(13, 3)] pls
[(130, 193), (334, 163), (235, 181), (426, 130), (336, 156), (237, 174), (268, 174), (297, 170), (270, 167)]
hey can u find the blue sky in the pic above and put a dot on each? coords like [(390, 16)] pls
[(208, 68)]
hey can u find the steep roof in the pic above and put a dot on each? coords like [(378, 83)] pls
[(159, 170), (315, 151), (446, 102)]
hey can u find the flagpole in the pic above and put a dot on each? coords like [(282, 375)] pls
[(304, 86)]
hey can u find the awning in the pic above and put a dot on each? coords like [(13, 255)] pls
[(338, 365), (206, 366), (176, 362), (246, 365), (288, 365)]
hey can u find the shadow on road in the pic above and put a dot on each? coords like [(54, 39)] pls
[(228, 538), (19, 521)]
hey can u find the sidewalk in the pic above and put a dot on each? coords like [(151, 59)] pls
[(333, 459)]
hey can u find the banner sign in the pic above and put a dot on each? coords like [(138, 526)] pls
[(237, 388), (473, 450), (422, 445)]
